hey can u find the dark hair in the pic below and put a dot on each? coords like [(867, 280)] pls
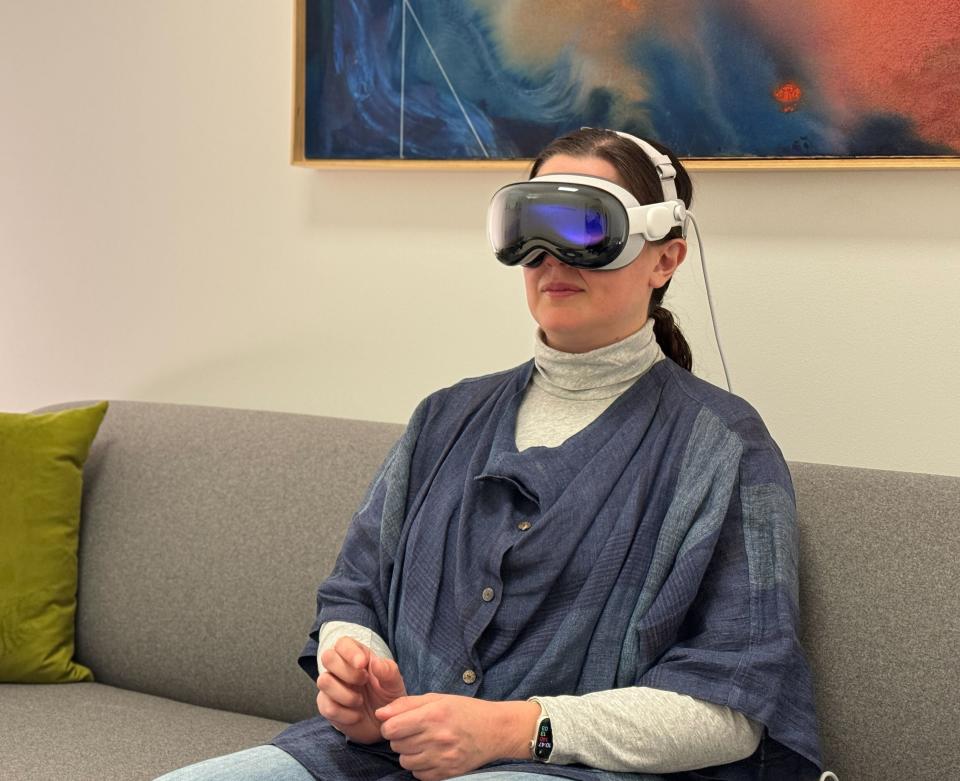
[(641, 179)]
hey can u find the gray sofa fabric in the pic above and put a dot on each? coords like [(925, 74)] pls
[(205, 532), (89, 731), (880, 567)]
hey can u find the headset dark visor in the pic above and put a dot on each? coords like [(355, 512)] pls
[(578, 224)]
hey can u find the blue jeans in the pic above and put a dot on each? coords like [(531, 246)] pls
[(269, 763), (263, 763)]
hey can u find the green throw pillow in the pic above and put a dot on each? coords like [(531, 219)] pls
[(41, 477)]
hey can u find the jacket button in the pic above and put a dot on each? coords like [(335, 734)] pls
[(469, 676), (487, 595), (524, 525)]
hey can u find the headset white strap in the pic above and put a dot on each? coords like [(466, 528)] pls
[(661, 162)]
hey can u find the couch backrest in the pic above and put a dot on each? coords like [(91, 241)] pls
[(879, 574), (206, 532)]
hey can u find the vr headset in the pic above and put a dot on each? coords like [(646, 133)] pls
[(584, 221)]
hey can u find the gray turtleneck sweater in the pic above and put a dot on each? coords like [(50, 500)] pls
[(631, 729)]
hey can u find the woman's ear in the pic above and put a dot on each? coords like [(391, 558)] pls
[(671, 255)]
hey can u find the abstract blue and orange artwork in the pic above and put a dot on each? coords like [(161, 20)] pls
[(497, 79)]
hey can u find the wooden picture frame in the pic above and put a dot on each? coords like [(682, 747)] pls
[(376, 21)]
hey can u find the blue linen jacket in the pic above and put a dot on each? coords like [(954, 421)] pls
[(656, 547)]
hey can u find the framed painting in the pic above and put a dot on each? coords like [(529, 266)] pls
[(725, 83)]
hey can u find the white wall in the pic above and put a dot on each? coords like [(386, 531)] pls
[(156, 245)]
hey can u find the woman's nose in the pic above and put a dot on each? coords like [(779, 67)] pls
[(546, 257)]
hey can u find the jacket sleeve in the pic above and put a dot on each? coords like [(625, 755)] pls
[(357, 591), (731, 601)]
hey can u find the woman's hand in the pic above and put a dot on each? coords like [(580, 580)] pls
[(356, 682), (439, 736)]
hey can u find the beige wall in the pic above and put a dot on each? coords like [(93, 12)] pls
[(156, 245)]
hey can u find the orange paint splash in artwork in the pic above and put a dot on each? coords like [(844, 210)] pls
[(788, 95), (875, 56)]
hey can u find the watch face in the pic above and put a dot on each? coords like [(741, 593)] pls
[(544, 744)]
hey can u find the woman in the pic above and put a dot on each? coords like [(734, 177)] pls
[(583, 567)]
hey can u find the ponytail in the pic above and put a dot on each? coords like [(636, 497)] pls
[(668, 333)]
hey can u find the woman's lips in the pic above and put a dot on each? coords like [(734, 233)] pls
[(560, 290)]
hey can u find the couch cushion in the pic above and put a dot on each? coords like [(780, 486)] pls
[(205, 534), (92, 731), (41, 469), (880, 563)]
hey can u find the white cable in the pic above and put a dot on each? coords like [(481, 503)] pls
[(828, 776), (713, 317)]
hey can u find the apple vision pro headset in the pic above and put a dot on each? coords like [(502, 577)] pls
[(584, 221), (588, 222)]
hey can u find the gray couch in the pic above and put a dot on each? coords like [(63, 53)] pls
[(205, 532)]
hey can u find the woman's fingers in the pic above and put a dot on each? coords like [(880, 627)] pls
[(344, 665), (354, 683), (339, 692), (415, 762), (356, 654), (335, 713), (385, 678), (410, 745)]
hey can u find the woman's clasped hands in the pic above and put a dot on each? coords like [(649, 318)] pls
[(355, 684), (437, 736)]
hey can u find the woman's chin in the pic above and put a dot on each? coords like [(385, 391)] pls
[(570, 340)]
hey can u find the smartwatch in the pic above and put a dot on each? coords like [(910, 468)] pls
[(542, 744)]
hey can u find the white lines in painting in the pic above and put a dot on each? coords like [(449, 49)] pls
[(443, 72), (403, 65)]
